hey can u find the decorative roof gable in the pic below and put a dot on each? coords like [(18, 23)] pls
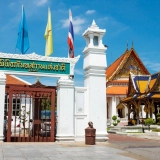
[(140, 83), (154, 85), (143, 86), (128, 62), (131, 90)]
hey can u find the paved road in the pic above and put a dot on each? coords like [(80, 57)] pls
[(60, 151), (139, 148), (118, 147)]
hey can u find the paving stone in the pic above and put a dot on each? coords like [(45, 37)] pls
[(117, 148)]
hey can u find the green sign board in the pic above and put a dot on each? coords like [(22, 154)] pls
[(10, 64)]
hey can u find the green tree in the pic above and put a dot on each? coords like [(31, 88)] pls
[(46, 104)]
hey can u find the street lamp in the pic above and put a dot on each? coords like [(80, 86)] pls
[(142, 118)]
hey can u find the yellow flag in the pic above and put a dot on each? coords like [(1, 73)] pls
[(48, 36)]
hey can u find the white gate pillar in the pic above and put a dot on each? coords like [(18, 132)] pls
[(2, 95), (65, 110), (95, 79)]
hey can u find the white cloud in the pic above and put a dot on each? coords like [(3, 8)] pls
[(40, 2), (90, 12), (77, 24)]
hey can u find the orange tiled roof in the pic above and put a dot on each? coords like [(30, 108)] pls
[(14, 80), (117, 90), (112, 68), (118, 64), (121, 81)]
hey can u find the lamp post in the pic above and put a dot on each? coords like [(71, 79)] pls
[(139, 93), (142, 118)]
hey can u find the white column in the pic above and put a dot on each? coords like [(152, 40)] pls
[(65, 110), (114, 113), (97, 104), (2, 96)]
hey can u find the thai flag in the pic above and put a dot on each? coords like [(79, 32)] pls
[(70, 37)]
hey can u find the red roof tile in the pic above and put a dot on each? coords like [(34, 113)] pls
[(15, 80), (122, 90)]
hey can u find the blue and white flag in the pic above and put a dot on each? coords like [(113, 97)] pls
[(23, 40)]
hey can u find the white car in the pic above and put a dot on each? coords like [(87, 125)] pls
[(15, 128)]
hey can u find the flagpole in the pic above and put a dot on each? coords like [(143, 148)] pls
[(22, 16)]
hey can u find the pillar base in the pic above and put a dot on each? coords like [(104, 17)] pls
[(1, 138), (65, 138), (102, 137)]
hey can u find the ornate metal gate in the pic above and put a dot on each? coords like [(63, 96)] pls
[(30, 111)]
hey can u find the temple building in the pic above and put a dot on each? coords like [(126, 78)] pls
[(143, 98), (117, 81)]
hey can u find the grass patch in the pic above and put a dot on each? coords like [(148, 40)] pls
[(156, 130)]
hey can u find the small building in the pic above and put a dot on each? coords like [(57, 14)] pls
[(117, 79), (143, 97), (13, 80)]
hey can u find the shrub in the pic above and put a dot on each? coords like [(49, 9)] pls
[(116, 121), (158, 118), (158, 114), (114, 118), (156, 130), (149, 121), (108, 128)]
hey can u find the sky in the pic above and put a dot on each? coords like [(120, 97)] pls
[(125, 21)]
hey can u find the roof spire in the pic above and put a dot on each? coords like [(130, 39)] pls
[(37, 79), (132, 43), (127, 46)]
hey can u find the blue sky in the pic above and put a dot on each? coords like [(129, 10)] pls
[(124, 20)]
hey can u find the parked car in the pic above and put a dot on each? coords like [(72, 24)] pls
[(45, 129), (15, 128)]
